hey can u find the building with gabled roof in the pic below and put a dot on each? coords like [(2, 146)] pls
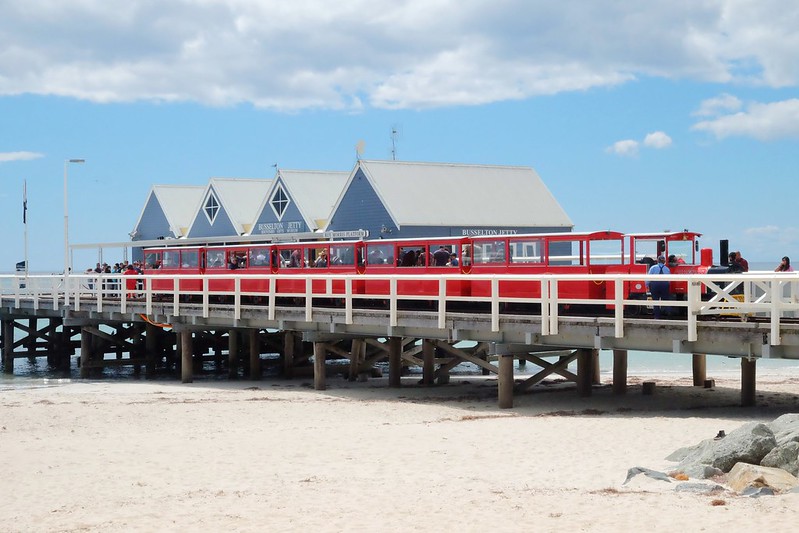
[(299, 201), (229, 206), (168, 212), (409, 199)]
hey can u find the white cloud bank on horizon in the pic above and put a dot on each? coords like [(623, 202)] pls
[(629, 147), (6, 157), (307, 54)]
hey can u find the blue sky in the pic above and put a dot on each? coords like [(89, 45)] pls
[(638, 116)]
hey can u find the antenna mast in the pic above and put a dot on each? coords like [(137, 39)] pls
[(394, 144)]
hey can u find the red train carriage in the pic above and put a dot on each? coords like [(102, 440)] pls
[(588, 253), (553, 253)]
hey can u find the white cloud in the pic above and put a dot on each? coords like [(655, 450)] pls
[(760, 121), (411, 54), (5, 157), (714, 106), (627, 147), (657, 140)]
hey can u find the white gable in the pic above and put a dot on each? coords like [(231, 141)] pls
[(241, 199)]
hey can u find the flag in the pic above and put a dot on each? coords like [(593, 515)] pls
[(25, 202)]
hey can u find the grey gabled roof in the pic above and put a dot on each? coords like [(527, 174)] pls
[(313, 191), (446, 194), (239, 197), (179, 204)]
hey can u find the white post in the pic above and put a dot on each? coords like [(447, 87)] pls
[(66, 215)]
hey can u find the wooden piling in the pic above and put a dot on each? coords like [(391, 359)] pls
[(505, 379), (428, 362), (255, 355), (395, 362), (619, 372), (585, 358), (319, 355), (151, 349), (699, 369), (748, 382), (186, 356), (289, 352), (233, 354), (8, 346), (86, 352)]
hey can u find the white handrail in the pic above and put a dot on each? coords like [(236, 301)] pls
[(766, 294)]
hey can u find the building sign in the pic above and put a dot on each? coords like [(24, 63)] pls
[(488, 231), (356, 234), (280, 227)]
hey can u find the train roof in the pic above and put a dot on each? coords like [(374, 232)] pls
[(667, 235)]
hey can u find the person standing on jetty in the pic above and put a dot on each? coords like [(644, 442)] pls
[(740, 261), (659, 289), (785, 265)]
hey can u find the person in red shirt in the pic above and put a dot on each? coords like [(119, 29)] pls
[(743, 263), (130, 282)]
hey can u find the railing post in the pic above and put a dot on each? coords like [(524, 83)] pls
[(776, 311), (553, 309), (693, 300), (546, 302), (618, 291), (392, 302), (308, 299), (442, 303), (494, 304), (348, 300), (237, 298)]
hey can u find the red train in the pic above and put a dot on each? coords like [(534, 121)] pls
[(601, 252)]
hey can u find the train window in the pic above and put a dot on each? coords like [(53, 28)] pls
[(189, 259), (237, 259), (316, 257), (170, 259), (606, 252), (411, 256), (291, 258), (380, 254), (342, 255), (526, 251), (466, 255), (216, 259), (489, 252), (566, 253), (258, 256), (683, 252), (646, 251), (153, 260)]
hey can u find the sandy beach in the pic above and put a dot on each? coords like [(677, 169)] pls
[(278, 456)]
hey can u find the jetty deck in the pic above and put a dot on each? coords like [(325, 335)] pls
[(56, 318)]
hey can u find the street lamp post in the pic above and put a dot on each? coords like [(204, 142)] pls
[(66, 216)]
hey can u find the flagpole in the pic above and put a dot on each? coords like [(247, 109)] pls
[(25, 221)]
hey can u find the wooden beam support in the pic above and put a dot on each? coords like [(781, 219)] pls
[(548, 369)]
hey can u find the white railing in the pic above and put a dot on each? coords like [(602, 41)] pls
[(770, 295)]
